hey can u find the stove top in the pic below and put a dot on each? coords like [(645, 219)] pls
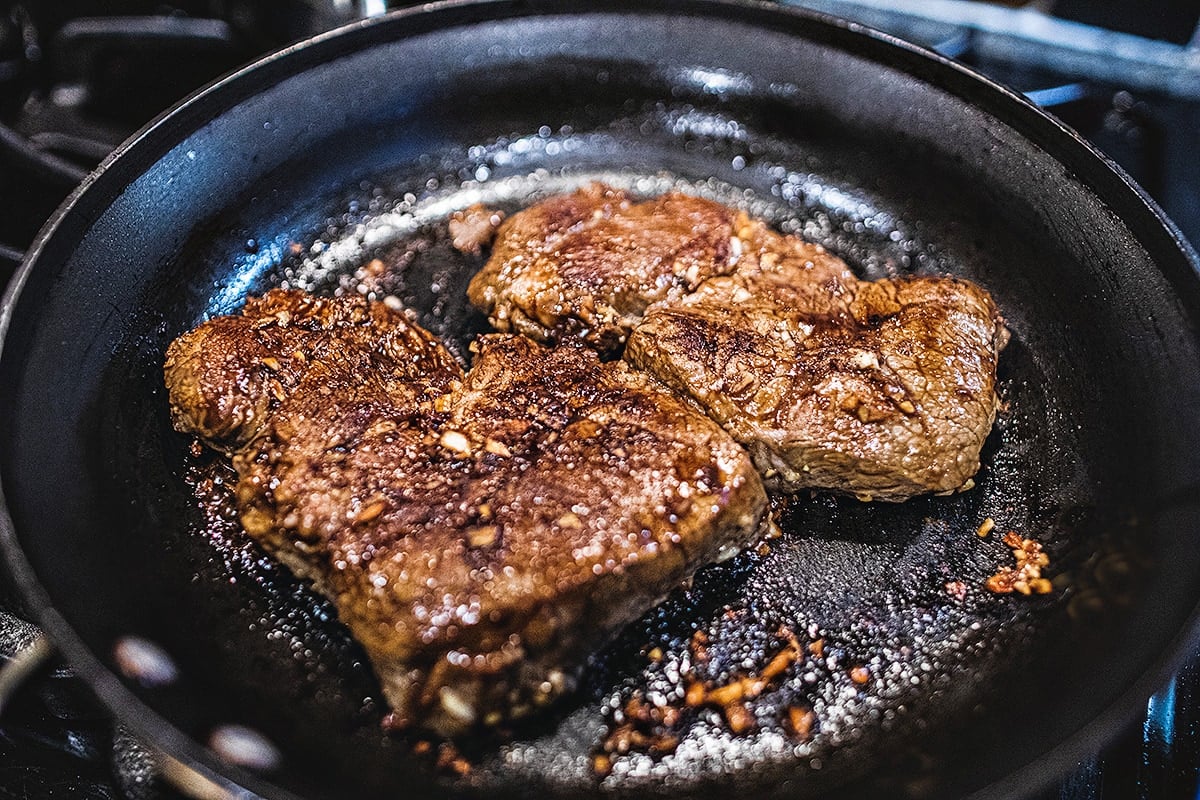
[(74, 84)]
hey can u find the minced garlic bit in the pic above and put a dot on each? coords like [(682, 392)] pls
[(800, 722), (986, 527), (731, 697), (371, 510), (456, 441), (1027, 577), (483, 535), (656, 728), (451, 762), (497, 448)]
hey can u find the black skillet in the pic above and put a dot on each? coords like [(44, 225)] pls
[(358, 144)]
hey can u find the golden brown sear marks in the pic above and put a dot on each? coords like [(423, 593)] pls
[(883, 389), (479, 534), (230, 376), (588, 264)]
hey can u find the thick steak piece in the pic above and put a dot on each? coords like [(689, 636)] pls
[(884, 390), (588, 264), (480, 535)]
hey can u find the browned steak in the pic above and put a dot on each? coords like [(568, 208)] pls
[(228, 378), (588, 264), (881, 389), (479, 535)]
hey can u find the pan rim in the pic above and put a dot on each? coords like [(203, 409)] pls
[(1106, 179)]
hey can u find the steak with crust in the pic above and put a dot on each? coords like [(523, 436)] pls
[(479, 534), (882, 389), (588, 264), (229, 378)]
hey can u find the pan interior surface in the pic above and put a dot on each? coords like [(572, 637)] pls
[(336, 168)]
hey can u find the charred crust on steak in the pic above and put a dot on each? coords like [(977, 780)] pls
[(883, 389), (589, 263), (480, 534), (227, 377)]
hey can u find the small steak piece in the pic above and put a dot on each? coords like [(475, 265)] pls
[(885, 390), (480, 535), (588, 264)]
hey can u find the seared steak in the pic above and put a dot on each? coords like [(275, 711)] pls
[(480, 535), (882, 389), (588, 264), (311, 357)]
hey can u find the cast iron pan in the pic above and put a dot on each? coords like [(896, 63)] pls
[(359, 144)]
